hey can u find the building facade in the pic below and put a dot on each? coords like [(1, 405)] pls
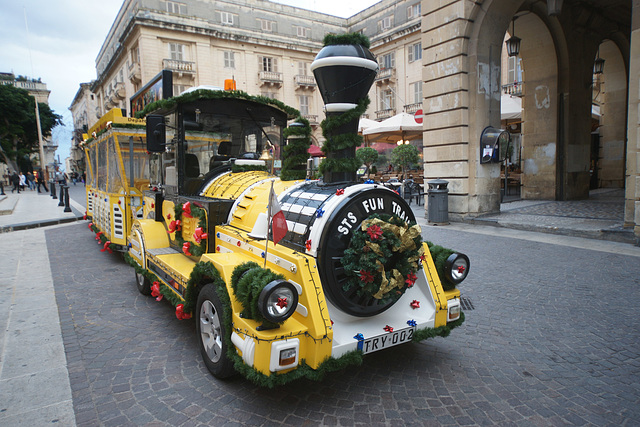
[(445, 57)]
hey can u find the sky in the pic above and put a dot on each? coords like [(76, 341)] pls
[(59, 40)]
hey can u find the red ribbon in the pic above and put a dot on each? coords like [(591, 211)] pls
[(180, 314)]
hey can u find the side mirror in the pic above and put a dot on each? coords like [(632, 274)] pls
[(494, 145), (156, 134)]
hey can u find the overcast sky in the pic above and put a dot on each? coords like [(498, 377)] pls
[(65, 36)]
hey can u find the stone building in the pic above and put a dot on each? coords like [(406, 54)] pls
[(447, 57)]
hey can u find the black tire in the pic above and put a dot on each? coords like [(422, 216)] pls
[(144, 284), (212, 333)]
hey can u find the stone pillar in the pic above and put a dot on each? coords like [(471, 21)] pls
[(632, 184)]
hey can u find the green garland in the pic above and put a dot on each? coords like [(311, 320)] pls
[(100, 235), (250, 280), (383, 258), (167, 104), (335, 143), (197, 213), (295, 153), (247, 168), (441, 331), (347, 38), (440, 255)]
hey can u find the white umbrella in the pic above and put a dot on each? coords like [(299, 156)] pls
[(366, 124), (401, 126), (510, 107)]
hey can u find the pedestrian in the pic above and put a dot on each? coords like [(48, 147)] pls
[(23, 181), (41, 181), (31, 181), (15, 180)]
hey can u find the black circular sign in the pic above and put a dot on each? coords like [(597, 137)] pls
[(336, 238)]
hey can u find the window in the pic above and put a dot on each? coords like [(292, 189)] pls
[(304, 104), (385, 23), (227, 18), (416, 91), (135, 55), (415, 52), (178, 89), (387, 100), (514, 71), (176, 51), (303, 32), (272, 95), (388, 61), (229, 59), (268, 64), (414, 11), (266, 25), (302, 68), (177, 8)]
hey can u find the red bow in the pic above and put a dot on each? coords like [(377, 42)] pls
[(411, 280), (388, 328), (339, 191), (98, 234), (366, 276), (174, 226), (307, 244), (200, 235), (185, 248), (180, 314), (415, 304), (106, 247), (155, 291), (186, 209)]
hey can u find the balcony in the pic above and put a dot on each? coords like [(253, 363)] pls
[(386, 75), (385, 114), (134, 73), (514, 89), (270, 78), (183, 68), (119, 92), (313, 119), (412, 108), (304, 82)]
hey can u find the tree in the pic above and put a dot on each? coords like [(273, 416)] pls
[(367, 156), (18, 128), (405, 155)]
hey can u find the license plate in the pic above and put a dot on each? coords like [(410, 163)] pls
[(380, 342)]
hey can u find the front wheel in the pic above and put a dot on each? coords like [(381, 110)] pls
[(144, 284), (212, 332)]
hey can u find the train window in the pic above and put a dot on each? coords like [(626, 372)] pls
[(102, 167), (116, 178)]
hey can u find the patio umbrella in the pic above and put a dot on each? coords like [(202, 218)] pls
[(365, 124), (315, 151), (401, 126)]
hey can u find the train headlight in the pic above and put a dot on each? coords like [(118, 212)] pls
[(277, 301), (456, 267)]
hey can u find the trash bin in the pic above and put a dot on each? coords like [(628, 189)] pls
[(438, 202)]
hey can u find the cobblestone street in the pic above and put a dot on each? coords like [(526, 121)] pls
[(551, 338)]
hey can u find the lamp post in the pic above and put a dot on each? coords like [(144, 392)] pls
[(598, 64)]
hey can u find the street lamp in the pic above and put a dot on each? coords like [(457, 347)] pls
[(598, 64), (513, 44)]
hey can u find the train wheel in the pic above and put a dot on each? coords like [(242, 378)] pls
[(144, 284), (212, 333)]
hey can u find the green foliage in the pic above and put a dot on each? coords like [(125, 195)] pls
[(347, 38), (405, 155), (294, 163), (251, 281), (335, 143), (367, 156), (372, 262), (442, 331), (200, 214), (18, 127), (167, 104), (440, 255), (247, 168)]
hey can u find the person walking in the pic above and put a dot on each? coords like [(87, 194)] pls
[(15, 180), (31, 181), (23, 181), (40, 180)]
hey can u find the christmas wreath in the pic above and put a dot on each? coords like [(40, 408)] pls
[(200, 236), (382, 260)]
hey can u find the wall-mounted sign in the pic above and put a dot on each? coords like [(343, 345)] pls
[(159, 87)]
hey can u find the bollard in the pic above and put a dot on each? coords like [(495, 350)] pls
[(52, 184), (61, 195), (2, 189), (66, 199)]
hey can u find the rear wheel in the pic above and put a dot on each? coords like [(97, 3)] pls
[(212, 333), (144, 284)]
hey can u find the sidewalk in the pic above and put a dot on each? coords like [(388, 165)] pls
[(31, 209)]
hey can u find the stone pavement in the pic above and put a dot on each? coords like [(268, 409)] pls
[(551, 338)]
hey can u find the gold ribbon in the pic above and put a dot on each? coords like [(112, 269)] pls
[(396, 281), (405, 234)]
